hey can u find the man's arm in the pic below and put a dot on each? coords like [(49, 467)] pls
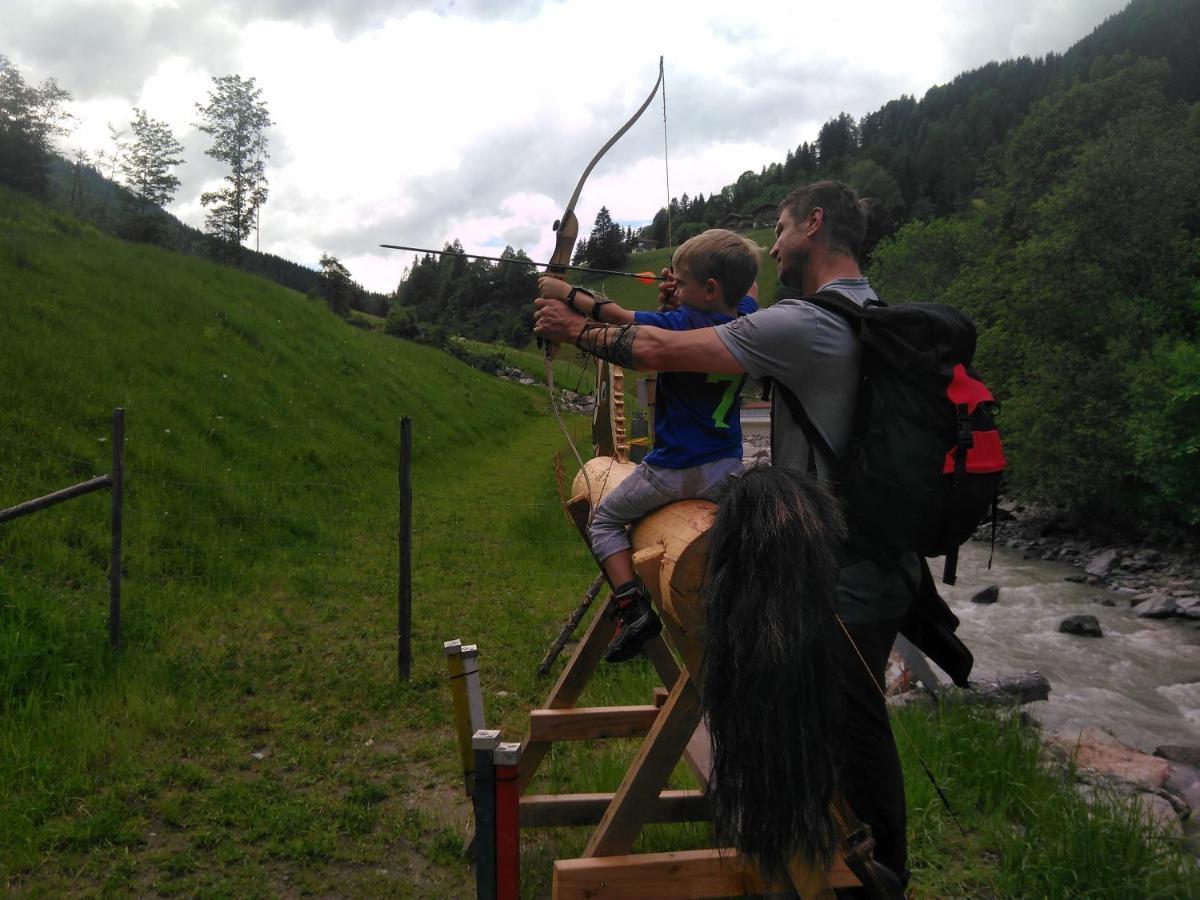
[(635, 346), (585, 302)]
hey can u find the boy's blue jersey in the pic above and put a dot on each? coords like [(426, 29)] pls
[(697, 417)]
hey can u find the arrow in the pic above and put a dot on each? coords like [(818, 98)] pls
[(643, 277)]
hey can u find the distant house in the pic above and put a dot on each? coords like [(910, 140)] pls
[(762, 216), (640, 245)]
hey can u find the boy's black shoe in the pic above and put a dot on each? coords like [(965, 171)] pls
[(638, 622)]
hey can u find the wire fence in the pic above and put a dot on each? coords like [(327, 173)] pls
[(188, 537)]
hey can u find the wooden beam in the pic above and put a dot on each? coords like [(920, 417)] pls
[(684, 875), (551, 810), (587, 722)]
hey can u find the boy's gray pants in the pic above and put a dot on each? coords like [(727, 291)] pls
[(646, 489)]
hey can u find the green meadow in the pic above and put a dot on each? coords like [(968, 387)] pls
[(252, 737)]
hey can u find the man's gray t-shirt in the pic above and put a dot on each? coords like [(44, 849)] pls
[(815, 354)]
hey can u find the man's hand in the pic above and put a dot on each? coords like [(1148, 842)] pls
[(553, 288), (666, 292), (556, 322)]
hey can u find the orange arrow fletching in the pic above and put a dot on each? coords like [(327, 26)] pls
[(646, 277)]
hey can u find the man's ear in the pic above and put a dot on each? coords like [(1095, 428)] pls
[(816, 219)]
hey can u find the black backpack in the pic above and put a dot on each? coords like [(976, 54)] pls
[(924, 461)]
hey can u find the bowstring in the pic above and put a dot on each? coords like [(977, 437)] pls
[(666, 157)]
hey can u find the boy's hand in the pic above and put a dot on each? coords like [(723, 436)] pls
[(666, 292), (553, 288)]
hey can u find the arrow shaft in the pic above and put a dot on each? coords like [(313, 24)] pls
[(521, 262)]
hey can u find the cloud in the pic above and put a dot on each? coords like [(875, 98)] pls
[(418, 122)]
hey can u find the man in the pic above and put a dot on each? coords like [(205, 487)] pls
[(815, 354)]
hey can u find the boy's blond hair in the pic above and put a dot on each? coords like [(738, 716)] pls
[(728, 258)]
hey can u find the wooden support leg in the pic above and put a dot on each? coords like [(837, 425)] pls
[(649, 772), (484, 744)]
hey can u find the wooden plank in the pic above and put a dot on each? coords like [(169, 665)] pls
[(683, 875), (551, 810), (648, 772), (571, 682), (588, 722)]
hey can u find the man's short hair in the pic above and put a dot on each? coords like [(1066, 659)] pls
[(728, 258), (845, 216)]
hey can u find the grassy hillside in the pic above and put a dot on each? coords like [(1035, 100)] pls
[(260, 587), (252, 738)]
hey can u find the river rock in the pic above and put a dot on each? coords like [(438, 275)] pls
[(1184, 782), (1185, 754), (1023, 687), (1100, 757), (1102, 563), (1159, 607), (989, 594), (1188, 607), (1075, 579), (1082, 625), (1159, 813)]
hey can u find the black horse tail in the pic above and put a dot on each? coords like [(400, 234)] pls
[(768, 687)]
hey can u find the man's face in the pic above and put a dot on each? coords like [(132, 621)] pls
[(793, 246)]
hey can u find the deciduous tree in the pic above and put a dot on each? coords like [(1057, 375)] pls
[(148, 162), (237, 120)]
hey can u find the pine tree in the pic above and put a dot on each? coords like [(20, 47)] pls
[(604, 244)]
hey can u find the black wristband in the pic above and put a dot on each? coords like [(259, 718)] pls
[(599, 302)]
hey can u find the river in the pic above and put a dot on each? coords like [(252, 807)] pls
[(1141, 681)]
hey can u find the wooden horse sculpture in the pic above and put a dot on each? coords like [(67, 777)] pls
[(746, 593)]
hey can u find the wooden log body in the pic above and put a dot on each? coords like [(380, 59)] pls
[(670, 549)]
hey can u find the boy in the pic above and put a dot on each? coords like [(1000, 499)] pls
[(697, 431)]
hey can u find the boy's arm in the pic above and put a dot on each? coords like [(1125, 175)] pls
[(584, 301)]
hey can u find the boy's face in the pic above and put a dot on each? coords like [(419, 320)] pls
[(705, 296)]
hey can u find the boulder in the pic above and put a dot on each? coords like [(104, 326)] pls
[(1082, 625), (1159, 607), (989, 594), (1102, 563), (1100, 757)]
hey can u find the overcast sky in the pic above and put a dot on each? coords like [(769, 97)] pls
[(419, 122)]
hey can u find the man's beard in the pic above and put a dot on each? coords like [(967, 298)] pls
[(793, 275)]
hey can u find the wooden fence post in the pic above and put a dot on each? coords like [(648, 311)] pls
[(507, 756), (118, 504), (484, 743), (404, 590)]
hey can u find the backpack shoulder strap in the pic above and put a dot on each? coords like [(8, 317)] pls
[(812, 434)]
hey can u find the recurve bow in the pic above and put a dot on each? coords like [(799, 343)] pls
[(609, 438)]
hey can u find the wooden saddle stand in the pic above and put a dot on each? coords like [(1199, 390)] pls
[(670, 549)]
